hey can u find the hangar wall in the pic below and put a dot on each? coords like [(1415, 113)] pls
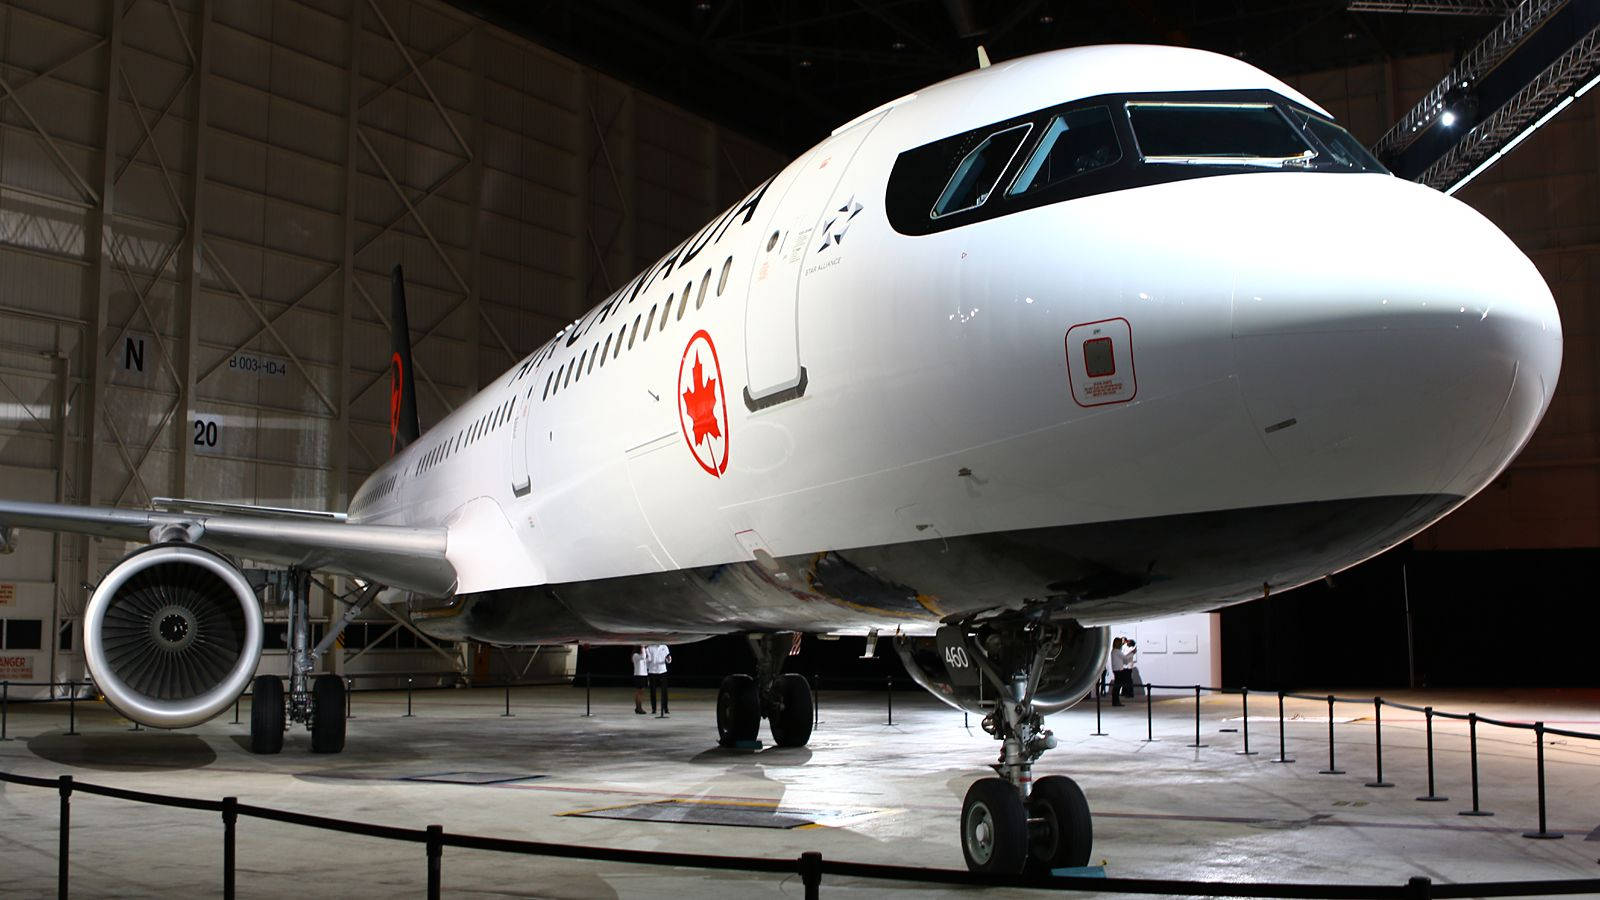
[(200, 203), (1546, 196)]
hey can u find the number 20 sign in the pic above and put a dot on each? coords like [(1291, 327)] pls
[(205, 433)]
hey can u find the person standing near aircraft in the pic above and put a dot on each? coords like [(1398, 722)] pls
[(656, 658), (641, 676), (1119, 670)]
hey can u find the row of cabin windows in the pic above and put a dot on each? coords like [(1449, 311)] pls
[(467, 436), (574, 370), (379, 491)]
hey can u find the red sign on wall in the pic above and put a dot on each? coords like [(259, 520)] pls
[(19, 668)]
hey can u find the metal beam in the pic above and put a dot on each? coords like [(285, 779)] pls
[(188, 265), (1525, 19), (1439, 8)]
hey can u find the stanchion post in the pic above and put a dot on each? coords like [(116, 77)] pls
[(236, 708), (1282, 758), (230, 818), (1099, 689), (435, 859), (588, 694), (1377, 744), (1331, 769), (1244, 701), (1472, 741), (508, 701), (64, 786), (1149, 714), (811, 873), (888, 694), (5, 708), (349, 697), (816, 700), (1419, 887), (1543, 834), (409, 681), (1427, 715), (72, 710), (1196, 715)]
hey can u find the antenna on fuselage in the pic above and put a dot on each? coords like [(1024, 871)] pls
[(983, 57)]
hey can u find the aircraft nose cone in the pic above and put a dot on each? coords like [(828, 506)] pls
[(1394, 343)]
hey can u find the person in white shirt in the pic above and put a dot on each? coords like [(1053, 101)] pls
[(1121, 677), (641, 677), (656, 658)]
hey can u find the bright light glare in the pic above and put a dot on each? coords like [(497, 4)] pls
[(1448, 119)]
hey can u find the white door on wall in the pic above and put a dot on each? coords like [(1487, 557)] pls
[(772, 341)]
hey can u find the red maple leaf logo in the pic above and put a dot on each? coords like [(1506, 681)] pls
[(700, 400)]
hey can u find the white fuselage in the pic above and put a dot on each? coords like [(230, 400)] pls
[(1281, 338)]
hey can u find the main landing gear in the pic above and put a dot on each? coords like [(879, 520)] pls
[(318, 703), (1012, 823), (782, 698)]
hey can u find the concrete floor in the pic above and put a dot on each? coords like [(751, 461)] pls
[(878, 793)]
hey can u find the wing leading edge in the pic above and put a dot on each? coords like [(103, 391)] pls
[(407, 558)]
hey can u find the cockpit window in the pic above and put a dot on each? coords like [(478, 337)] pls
[(1074, 142), (1201, 133), (1343, 149), (979, 171)]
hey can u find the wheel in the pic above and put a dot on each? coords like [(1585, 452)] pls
[(327, 714), (791, 726), (994, 827), (738, 710), (1063, 837), (266, 715)]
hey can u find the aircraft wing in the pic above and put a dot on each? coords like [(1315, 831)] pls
[(411, 559)]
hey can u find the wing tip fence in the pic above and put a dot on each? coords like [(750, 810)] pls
[(810, 866)]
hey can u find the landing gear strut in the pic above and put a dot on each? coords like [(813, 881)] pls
[(1012, 823), (318, 703), (782, 698)]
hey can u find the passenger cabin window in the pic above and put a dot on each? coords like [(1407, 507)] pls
[(1200, 133), (1073, 143), (979, 171)]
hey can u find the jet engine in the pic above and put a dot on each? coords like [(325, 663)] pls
[(944, 666), (172, 635)]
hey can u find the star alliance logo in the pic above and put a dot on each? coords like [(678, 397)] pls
[(833, 232)]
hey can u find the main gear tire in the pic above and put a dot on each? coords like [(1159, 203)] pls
[(266, 715), (791, 725), (327, 714), (994, 828), (1061, 833), (738, 710)]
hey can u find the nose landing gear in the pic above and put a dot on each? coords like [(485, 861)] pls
[(1012, 823)]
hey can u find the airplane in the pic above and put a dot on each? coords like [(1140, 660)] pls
[(1084, 337)]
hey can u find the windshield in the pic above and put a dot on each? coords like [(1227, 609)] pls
[(1209, 133), (1074, 142), (1343, 149)]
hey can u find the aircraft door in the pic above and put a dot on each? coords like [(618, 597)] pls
[(521, 482), (771, 332)]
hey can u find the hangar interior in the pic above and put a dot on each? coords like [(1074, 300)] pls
[(255, 170), (201, 202)]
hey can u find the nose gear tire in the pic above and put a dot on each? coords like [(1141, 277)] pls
[(791, 726), (738, 710), (1064, 835), (266, 715), (994, 828), (327, 714)]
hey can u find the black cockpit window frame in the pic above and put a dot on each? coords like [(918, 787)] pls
[(921, 173)]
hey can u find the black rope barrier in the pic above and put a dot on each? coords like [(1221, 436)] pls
[(810, 866)]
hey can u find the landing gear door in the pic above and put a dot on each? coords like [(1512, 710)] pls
[(772, 342), (958, 661), (521, 483)]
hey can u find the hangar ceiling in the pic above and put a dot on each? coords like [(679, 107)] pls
[(788, 72)]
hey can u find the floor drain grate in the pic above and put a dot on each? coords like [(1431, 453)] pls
[(472, 777), (690, 812)]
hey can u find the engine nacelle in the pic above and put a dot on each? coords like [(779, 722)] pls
[(172, 635), (942, 666)]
